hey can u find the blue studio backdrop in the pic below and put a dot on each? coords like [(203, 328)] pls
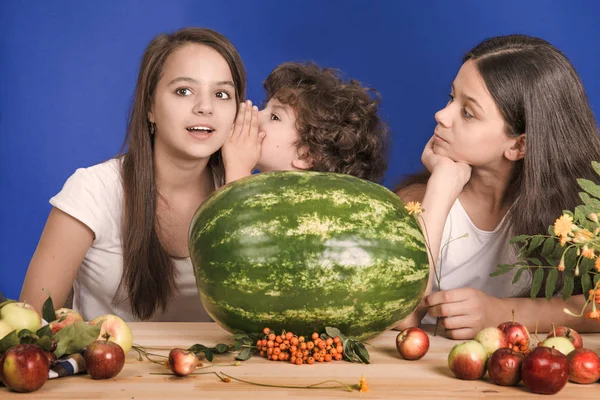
[(68, 69)]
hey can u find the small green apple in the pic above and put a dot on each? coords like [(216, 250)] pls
[(5, 329), (117, 329), (559, 343), (21, 315)]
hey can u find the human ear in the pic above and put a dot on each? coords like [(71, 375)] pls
[(302, 161), (517, 150), (151, 117)]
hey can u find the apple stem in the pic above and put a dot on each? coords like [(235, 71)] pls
[(553, 329), (513, 315)]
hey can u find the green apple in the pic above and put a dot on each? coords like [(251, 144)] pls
[(559, 343), (117, 329), (5, 329), (21, 315)]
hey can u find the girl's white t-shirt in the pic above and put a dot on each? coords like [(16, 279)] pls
[(468, 262), (94, 196)]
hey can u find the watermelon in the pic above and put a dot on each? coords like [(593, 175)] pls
[(304, 250)]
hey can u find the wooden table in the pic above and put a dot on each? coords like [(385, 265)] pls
[(388, 377)]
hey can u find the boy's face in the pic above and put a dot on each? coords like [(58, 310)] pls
[(279, 151)]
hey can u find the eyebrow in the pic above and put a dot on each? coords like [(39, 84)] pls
[(194, 81), (282, 108), (471, 99)]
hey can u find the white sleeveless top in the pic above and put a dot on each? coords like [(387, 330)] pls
[(468, 261), (94, 196)]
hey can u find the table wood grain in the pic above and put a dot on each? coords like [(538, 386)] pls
[(388, 376)]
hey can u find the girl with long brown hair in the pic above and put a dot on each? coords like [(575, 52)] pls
[(117, 232), (503, 161)]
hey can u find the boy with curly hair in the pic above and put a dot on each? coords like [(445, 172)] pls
[(314, 120)]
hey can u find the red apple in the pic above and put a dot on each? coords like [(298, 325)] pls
[(68, 317), (182, 362), (516, 333), (491, 339), (118, 330), (412, 343), (104, 359), (24, 368), (569, 333), (504, 367), (584, 365), (467, 360), (545, 370)]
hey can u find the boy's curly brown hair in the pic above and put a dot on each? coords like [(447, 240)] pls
[(337, 121)]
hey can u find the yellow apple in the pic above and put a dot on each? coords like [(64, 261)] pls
[(21, 315), (5, 329), (70, 316), (117, 329)]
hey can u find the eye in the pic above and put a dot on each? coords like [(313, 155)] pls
[(274, 117), (183, 91), (222, 94), (466, 114), (450, 98)]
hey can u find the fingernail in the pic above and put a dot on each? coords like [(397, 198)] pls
[(255, 108), (242, 105)]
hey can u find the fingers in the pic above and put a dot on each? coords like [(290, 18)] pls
[(253, 123), (239, 120)]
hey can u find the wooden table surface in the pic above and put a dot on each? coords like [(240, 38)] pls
[(388, 376)]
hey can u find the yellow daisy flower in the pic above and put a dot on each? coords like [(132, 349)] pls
[(363, 387), (586, 252), (413, 207), (563, 226)]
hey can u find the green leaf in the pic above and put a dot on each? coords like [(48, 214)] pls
[(48, 312), (535, 261), (569, 285), (333, 332), (25, 332), (551, 230), (551, 283), (518, 275), (586, 283), (8, 341), (209, 355), (596, 279), (198, 348), (535, 243), (75, 337), (519, 239), (591, 203), (538, 277), (548, 247), (589, 187), (362, 353), (45, 342), (221, 348), (244, 354), (596, 166), (44, 331), (501, 269)]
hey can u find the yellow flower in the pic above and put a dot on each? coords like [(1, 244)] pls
[(413, 207), (363, 387), (597, 264), (563, 240), (587, 252), (563, 226), (583, 236)]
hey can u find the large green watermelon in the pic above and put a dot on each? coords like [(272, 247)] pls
[(304, 250)]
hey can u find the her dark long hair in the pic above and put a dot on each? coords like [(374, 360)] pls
[(148, 279), (539, 93)]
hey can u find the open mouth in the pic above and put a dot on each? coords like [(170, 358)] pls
[(200, 129)]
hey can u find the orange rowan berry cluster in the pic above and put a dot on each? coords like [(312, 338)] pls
[(298, 350), (521, 345)]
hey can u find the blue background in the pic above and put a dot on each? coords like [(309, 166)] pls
[(68, 69)]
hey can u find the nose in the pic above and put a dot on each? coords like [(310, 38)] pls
[(203, 105), (443, 118)]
